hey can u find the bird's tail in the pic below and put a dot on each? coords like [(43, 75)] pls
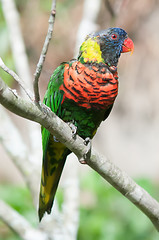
[(53, 162)]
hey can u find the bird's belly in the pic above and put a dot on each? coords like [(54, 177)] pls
[(86, 120)]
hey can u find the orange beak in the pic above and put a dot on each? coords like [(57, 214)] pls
[(128, 46)]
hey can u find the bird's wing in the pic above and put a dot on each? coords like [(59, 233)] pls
[(54, 152)]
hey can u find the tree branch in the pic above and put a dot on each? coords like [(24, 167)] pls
[(21, 226), (44, 51), (16, 78), (119, 179)]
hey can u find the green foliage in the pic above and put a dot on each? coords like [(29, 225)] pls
[(19, 198), (5, 76), (105, 214), (45, 5), (62, 5), (65, 4), (60, 198), (109, 216)]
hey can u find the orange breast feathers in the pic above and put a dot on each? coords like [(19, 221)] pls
[(90, 86)]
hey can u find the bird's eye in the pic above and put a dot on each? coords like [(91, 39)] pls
[(114, 36)]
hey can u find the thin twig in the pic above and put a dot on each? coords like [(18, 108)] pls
[(44, 52), (16, 78)]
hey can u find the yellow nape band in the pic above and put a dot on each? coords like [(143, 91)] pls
[(90, 50)]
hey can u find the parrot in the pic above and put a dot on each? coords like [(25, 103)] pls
[(81, 91)]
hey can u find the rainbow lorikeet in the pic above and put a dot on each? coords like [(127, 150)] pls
[(81, 91)]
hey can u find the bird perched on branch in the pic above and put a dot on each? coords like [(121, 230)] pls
[(81, 91)]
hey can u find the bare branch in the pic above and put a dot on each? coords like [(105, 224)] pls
[(119, 179), (125, 185), (44, 51), (16, 78), (21, 226)]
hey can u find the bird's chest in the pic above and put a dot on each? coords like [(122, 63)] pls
[(90, 87)]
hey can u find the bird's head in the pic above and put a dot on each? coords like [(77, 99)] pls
[(105, 46)]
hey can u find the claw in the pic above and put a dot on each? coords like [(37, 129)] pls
[(87, 155), (87, 141), (73, 129), (55, 139)]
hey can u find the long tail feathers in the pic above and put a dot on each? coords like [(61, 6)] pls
[(53, 163), (48, 190)]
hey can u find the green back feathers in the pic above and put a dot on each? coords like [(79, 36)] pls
[(53, 96), (52, 99)]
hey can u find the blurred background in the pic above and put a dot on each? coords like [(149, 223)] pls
[(129, 137)]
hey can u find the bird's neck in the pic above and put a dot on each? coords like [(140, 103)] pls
[(90, 52)]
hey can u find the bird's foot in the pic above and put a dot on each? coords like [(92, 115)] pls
[(87, 155), (55, 139), (73, 129)]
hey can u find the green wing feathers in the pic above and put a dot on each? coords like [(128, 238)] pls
[(54, 152), (53, 162)]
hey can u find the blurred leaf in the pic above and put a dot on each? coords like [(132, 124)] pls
[(60, 197), (45, 5), (20, 4), (5, 76), (20, 200), (113, 217)]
